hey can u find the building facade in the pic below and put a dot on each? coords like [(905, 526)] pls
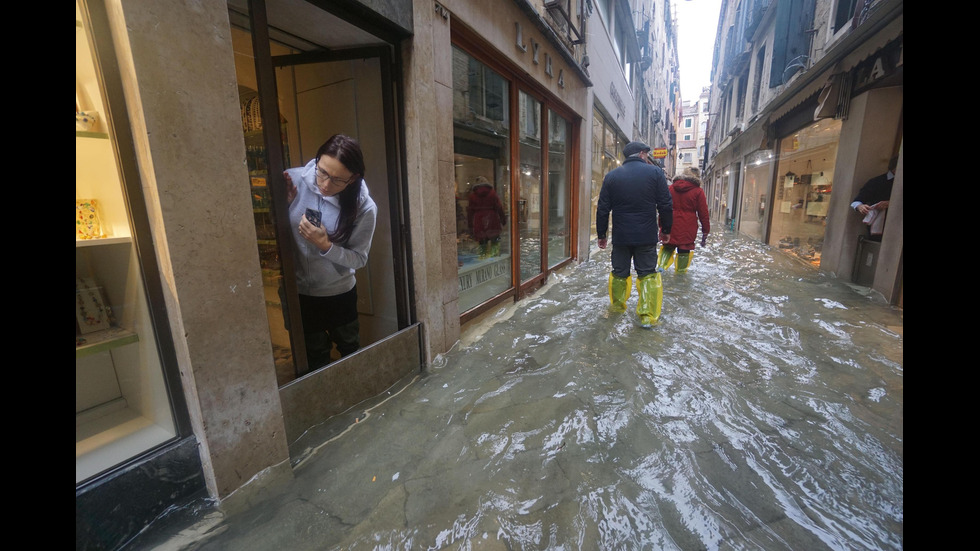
[(632, 54), (191, 372), (809, 103)]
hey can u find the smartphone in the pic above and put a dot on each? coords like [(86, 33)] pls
[(313, 216)]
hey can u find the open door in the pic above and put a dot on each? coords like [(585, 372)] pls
[(292, 70)]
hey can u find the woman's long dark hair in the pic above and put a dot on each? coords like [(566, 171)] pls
[(346, 150)]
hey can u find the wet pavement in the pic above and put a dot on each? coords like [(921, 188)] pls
[(764, 411)]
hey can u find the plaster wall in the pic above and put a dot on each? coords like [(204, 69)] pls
[(182, 98)]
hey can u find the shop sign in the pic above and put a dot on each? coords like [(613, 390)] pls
[(659, 152), (536, 53), (883, 64), (482, 273)]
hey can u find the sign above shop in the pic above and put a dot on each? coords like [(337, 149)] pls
[(535, 50), (659, 152)]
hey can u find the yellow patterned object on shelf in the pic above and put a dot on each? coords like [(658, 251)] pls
[(88, 223)]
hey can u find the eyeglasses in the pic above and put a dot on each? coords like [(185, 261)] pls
[(322, 175)]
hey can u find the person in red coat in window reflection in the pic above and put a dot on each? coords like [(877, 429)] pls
[(486, 217), (690, 207)]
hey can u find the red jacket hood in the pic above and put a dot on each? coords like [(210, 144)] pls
[(683, 186)]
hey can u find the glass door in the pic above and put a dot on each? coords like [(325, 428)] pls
[(529, 189), (315, 92), (559, 189)]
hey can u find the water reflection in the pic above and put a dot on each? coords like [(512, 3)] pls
[(765, 411)]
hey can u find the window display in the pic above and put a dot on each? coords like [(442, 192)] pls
[(804, 182), (122, 405)]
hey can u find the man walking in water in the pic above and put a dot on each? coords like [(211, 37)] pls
[(635, 193)]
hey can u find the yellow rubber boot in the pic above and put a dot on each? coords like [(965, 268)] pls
[(650, 289), (619, 292), (665, 259), (683, 261)]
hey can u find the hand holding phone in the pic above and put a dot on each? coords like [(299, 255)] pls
[(313, 216)]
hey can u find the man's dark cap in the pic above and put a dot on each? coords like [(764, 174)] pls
[(633, 148)]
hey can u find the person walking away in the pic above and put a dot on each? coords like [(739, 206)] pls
[(333, 219), (690, 207), (635, 193), (486, 217), (872, 200)]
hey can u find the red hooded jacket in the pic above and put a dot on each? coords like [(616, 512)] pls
[(690, 206)]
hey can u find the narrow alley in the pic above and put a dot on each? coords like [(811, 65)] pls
[(764, 411)]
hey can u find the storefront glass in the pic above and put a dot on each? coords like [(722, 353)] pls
[(804, 181), (529, 193), (482, 156), (606, 147), (755, 194), (559, 189), (122, 404)]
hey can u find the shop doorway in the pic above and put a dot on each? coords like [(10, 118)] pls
[(318, 75)]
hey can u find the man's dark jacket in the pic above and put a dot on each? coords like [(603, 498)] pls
[(634, 193), (876, 190)]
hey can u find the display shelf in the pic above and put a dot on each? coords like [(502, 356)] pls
[(101, 341), (90, 134), (95, 242)]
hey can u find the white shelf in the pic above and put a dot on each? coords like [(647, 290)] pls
[(102, 241)]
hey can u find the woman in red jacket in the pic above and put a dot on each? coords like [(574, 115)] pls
[(690, 207)]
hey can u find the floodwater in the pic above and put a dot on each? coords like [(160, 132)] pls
[(765, 411)]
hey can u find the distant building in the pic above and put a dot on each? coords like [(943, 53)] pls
[(691, 132)]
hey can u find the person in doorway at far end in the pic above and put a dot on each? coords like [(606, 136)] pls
[(634, 194), (690, 207)]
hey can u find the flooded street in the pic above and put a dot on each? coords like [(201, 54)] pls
[(765, 411)]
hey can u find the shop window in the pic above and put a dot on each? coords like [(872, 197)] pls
[(482, 182), (755, 194), (803, 185), (559, 189), (122, 404), (529, 188), (606, 145)]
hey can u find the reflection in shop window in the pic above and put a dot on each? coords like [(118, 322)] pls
[(482, 181), (529, 191), (559, 189)]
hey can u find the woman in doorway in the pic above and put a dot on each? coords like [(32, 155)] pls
[(333, 219)]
